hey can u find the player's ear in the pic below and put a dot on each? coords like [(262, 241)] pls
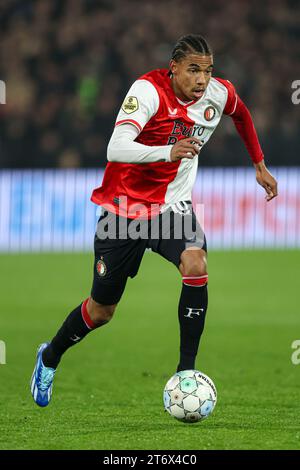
[(173, 66)]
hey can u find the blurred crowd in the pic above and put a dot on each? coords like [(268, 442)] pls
[(67, 65)]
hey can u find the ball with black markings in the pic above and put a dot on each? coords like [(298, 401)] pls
[(190, 396)]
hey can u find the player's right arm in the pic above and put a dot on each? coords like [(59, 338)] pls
[(140, 104)]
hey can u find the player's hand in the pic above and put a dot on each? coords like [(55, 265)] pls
[(185, 148), (266, 180)]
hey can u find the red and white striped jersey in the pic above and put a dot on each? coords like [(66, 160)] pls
[(162, 119)]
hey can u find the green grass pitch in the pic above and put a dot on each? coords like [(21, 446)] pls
[(108, 389)]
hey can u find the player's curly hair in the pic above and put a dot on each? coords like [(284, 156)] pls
[(190, 44)]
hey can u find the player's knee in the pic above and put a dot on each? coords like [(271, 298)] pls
[(193, 264), (195, 270), (100, 313)]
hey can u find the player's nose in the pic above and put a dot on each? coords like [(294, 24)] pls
[(200, 80)]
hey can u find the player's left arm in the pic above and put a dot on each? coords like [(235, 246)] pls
[(243, 122)]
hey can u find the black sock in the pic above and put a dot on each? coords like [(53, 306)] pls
[(73, 330), (191, 313)]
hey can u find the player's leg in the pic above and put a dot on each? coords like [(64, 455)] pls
[(88, 316), (186, 249), (192, 304)]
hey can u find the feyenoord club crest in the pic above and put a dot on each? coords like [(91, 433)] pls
[(101, 268), (209, 113)]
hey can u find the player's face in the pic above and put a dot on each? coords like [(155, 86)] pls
[(190, 76)]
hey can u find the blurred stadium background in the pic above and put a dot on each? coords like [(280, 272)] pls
[(67, 66)]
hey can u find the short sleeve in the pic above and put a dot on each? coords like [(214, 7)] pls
[(139, 105)]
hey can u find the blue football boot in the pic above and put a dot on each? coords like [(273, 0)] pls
[(42, 379)]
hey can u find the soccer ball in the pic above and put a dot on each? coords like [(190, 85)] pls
[(190, 396)]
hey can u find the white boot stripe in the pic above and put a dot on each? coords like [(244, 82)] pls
[(32, 385)]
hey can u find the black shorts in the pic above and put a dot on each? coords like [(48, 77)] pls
[(120, 244)]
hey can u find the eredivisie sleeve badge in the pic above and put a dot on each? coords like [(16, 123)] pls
[(130, 104)]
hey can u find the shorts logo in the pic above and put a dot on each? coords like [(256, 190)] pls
[(101, 268), (209, 113), (130, 104)]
